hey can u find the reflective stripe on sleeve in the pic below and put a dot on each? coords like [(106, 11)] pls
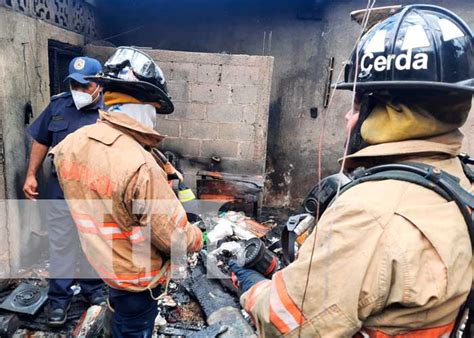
[(254, 292), (197, 238), (186, 195), (106, 230), (130, 277), (180, 219), (124, 280), (284, 313), (85, 225), (137, 235), (434, 332)]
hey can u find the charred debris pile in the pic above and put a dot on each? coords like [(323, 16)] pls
[(205, 303)]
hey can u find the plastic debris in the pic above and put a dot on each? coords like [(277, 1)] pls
[(220, 231), (76, 289), (91, 322), (232, 248), (167, 301), (160, 321), (245, 227), (193, 260)]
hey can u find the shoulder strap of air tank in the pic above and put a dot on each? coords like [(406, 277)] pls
[(424, 175), (466, 160), (395, 172), (464, 321)]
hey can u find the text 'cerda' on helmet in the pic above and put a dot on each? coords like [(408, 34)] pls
[(421, 47)]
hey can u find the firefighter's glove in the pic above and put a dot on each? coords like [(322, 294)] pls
[(172, 173), (246, 277)]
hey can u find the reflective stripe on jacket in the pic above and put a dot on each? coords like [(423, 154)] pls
[(126, 214), (106, 230), (435, 332), (391, 257)]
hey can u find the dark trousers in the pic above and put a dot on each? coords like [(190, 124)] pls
[(65, 254), (134, 313)]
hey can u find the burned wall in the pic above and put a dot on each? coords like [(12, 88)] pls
[(221, 110), (301, 48), (24, 77), (75, 15)]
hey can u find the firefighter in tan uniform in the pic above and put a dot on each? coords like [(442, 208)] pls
[(127, 216), (388, 258)]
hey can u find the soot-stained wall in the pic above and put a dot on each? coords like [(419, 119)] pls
[(24, 77), (301, 51)]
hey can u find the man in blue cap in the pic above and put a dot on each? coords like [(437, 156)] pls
[(66, 113)]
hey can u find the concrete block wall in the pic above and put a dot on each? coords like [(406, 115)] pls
[(221, 109)]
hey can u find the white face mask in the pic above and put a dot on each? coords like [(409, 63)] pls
[(82, 99), (143, 113)]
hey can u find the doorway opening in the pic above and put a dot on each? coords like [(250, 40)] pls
[(59, 56)]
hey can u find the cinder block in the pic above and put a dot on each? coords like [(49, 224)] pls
[(249, 114), (167, 127), (199, 130), (242, 75), (183, 147), (246, 150), (188, 111), (209, 73), (167, 68), (224, 112), (219, 148), (180, 72), (242, 167), (236, 132), (179, 90), (210, 93), (209, 58), (244, 94)]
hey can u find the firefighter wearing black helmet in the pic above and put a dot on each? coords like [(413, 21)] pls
[(391, 258), (128, 217)]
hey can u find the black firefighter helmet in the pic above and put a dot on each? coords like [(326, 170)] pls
[(132, 72), (419, 47)]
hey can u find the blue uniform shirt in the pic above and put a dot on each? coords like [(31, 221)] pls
[(59, 119)]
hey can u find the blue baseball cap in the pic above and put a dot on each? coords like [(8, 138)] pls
[(83, 66)]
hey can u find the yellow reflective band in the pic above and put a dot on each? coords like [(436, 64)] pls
[(186, 195)]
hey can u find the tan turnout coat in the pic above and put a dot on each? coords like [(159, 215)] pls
[(126, 213), (390, 257)]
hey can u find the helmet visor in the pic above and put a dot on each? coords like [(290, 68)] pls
[(141, 64)]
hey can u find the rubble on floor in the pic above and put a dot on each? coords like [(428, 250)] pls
[(36, 325), (205, 304), (26, 298), (91, 323)]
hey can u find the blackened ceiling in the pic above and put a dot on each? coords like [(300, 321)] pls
[(121, 16)]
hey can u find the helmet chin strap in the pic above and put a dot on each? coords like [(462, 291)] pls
[(143, 113)]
